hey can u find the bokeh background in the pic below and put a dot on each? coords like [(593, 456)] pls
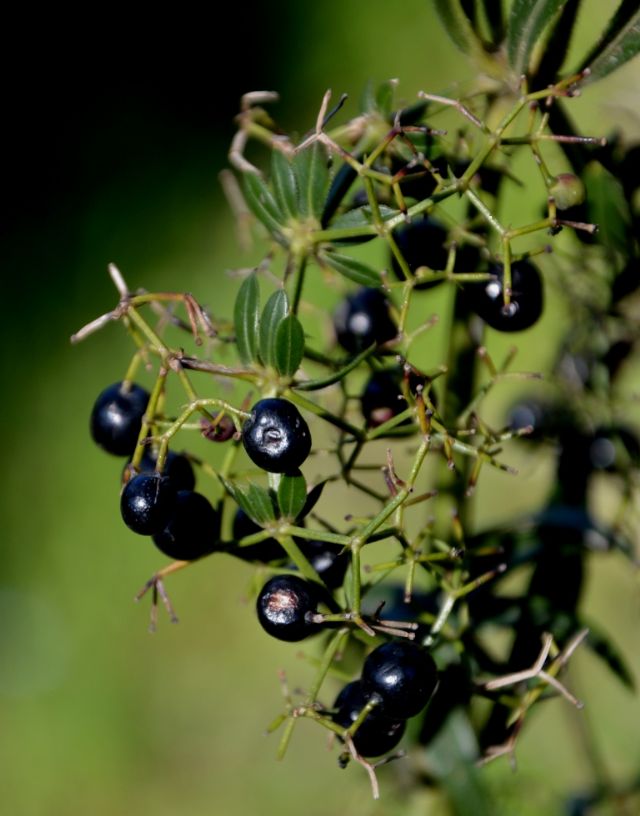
[(116, 128)]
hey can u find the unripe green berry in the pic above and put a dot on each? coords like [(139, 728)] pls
[(567, 191)]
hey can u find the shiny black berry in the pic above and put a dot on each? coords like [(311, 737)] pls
[(486, 298), (117, 416), (330, 561), (422, 242), (377, 734), (362, 319), (285, 605), (177, 468), (276, 437), (147, 503), (264, 551), (403, 677), (382, 397), (193, 529)]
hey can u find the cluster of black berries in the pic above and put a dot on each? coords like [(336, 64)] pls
[(398, 677), (164, 505), (397, 681), (423, 244)]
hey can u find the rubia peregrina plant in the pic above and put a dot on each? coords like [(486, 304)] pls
[(346, 395)]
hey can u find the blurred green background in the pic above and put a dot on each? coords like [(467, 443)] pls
[(116, 136)]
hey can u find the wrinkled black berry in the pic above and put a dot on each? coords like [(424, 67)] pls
[(276, 437), (284, 607)]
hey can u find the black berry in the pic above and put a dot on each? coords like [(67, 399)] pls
[(276, 437), (285, 606), (402, 676), (116, 418), (362, 319), (382, 397), (264, 552), (193, 529), (377, 734), (422, 242), (177, 468), (486, 298), (147, 503), (330, 561)]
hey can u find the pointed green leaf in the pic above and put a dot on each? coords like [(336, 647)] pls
[(557, 46), (311, 499), (459, 28), (289, 346), (619, 43), (284, 184), (260, 504), (263, 205), (312, 174), (292, 495), (355, 271), (452, 758), (384, 97), (527, 21), (245, 319), (607, 206), (606, 649), (356, 219), (257, 502), (273, 314)]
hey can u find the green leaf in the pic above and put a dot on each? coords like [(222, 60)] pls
[(619, 43), (289, 346), (257, 502), (311, 499), (312, 173), (260, 504), (284, 184), (245, 319), (357, 218), (557, 46), (607, 206), (459, 28), (606, 650), (451, 759), (527, 21), (263, 205), (384, 97), (273, 314), (292, 495), (355, 271)]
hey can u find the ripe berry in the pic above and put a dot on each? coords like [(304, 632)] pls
[(147, 503), (116, 418), (276, 437), (330, 561), (284, 607), (377, 734), (403, 677), (362, 319), (382, 397), (422, 243), (265, 551), (486, 298), (177, 468), (193, 529)]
